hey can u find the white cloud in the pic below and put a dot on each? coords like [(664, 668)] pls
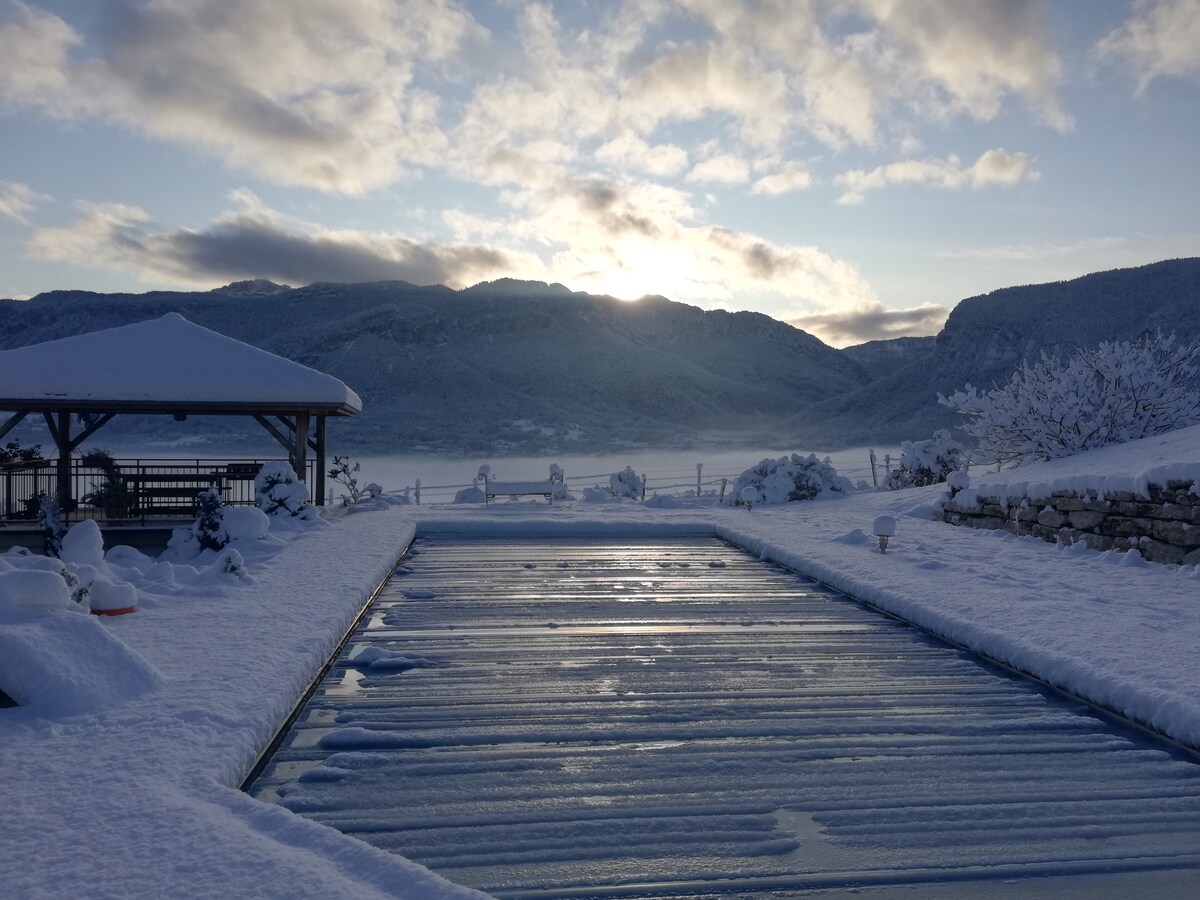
[(254, 241), (1034, 251), (34, 58), (967, 56), (994, 167), (1160, 39), (310, 92), (18, 200), (791, 176), (350, 95), (871, 322), (724, 168), (631, 152)]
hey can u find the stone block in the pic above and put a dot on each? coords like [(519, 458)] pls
[(995, 510), (1156, 551), (1051, 518), (1121, 496), (1179, 534), (1085, 519), (1192, 558), (1098, 542), (1139, 509), (1124, 526)]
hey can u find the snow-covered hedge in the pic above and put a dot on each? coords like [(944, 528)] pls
[(1116, 392), (788, 478), (927, 462)]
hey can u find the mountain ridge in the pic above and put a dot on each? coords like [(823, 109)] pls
[(531, 367)]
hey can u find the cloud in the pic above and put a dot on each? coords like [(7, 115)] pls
[(350, 95), (791, 176), (1158, 40), (872, 323), (966, 57), (724, 168), (994, 167), (631, 152), (1035, 251), (18, 200), (628, 237), (253, 241), (319, 93)]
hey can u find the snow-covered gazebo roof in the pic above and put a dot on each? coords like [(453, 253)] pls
[(164, 365), (168, 366)]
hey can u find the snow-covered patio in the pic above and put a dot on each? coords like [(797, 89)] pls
[(121, 769)]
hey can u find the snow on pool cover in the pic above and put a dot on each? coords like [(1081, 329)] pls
[(626, 717)]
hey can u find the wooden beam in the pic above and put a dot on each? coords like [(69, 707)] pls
[(300, 459), (91, 429), (62, 437), (319, 450), (52, 424), (13, 421), (288, 445)]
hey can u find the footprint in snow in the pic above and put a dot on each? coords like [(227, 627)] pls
[(717, 564), (419, 595), (531, 565)]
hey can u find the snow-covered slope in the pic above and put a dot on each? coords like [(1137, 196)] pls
[(500, 366), (986, 337)]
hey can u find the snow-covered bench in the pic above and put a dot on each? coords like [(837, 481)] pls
[(552, 487)]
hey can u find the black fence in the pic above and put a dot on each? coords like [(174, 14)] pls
[(148, 487)]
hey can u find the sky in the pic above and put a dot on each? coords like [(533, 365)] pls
[(854, 167)]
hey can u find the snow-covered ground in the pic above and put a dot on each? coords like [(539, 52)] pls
[(120, 772)]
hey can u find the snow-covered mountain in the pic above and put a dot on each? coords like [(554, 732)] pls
[(503, 366), (986, 337), (528, 367)]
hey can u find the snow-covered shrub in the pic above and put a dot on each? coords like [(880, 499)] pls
[(470, 495), (218, 528), (50, 520), (788, 478), (83, 545), (627, 484), (279, 492), (927, 462), (207, 527), (1118, 391)]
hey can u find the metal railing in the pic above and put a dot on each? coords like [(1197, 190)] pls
[(157, 486), (673, 481)]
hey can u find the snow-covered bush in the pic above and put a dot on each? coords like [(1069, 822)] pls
[(627, 484), (215, 529), (788, 478), (207, 527), (50, 520), (927, 462), (1118, 391), (279, 492)]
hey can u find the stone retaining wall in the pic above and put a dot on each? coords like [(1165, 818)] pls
[(1164, 527)]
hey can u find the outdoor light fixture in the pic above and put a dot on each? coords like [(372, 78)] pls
[(749, 495), (885, 527)]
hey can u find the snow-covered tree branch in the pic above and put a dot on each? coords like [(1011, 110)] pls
[(1118, 391)]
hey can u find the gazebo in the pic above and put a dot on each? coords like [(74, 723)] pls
[(168, 366)]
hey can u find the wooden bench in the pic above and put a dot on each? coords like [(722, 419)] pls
[(170, 492), (551, 487)]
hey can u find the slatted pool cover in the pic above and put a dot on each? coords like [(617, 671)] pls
[(626, 718)]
